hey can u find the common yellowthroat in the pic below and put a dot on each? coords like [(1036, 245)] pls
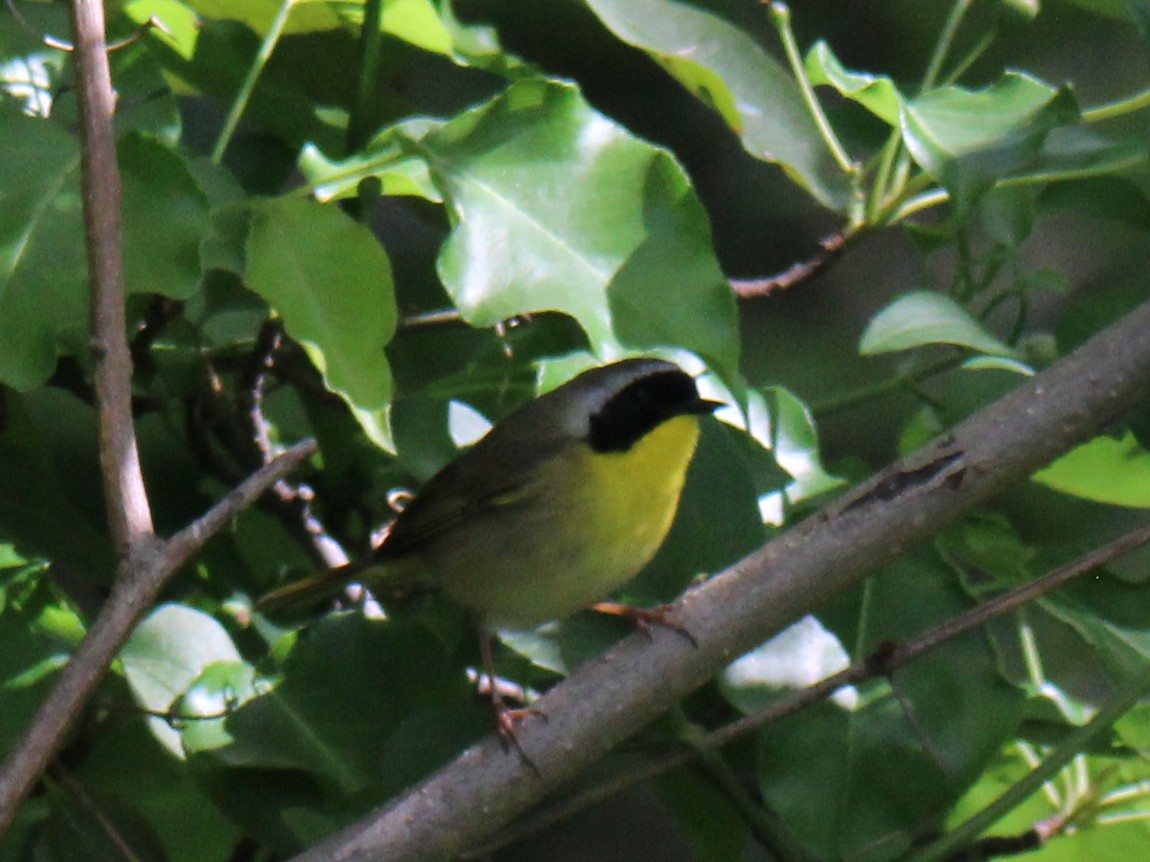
[(559, 505)]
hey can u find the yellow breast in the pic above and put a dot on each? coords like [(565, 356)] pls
[(592, 522)]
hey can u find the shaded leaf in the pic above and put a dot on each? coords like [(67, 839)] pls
[(330, 280), (43, 267), (967, 140), (1106, 197), (166, 653), (923, 747)]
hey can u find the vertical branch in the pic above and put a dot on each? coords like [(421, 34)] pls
[(129, 516), (145, 562)]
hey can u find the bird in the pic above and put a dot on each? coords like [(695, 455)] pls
[(559, 505)]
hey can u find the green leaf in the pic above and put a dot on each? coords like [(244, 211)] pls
[(1028, 9), (181, 24), (38, 632), (165, 219), (923, 318), (724, 66), (922, 746), (716, 829), (323, 719), (385, 157), (986, 543), (876, 93), (130, 772), (416, 22), (558, 208), (164, 656), (259, 14), (1117, 9), (219, 690), (1075, 152), (997, 363), (1104, 470), (951, 121), (968, 140), (330, 280), (50, 499), (43, 267)]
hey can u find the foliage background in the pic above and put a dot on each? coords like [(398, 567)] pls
[(508, 193)]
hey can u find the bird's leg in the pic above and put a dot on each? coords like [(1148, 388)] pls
[(506, 718), (644, 618)]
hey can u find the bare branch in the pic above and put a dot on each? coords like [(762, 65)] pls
[(751, 288), (611, 697), (129, 515)]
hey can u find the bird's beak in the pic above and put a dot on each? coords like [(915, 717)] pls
[(701, 406)]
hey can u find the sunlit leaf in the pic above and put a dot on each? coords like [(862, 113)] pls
[(166, 653), (876, 93), (725, 66), (1104, 470), (557, 208)]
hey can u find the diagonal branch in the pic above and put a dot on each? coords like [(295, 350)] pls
[(613, 696), (884, 662), (139, 579)]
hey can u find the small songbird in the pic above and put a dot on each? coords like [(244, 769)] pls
[(558, 506)]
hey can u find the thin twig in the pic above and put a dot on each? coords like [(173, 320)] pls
[(291, 501), (67, 47), (76, 790), (1069, 748), (752, 288)]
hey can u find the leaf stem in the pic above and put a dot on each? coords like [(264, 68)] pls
[(871, 393), (882, 188), (780, 15), (938, 196), (244, 95), (1118, 108), (972, 56), (370, 46), (945, 41)]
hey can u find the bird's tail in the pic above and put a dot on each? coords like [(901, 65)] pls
[(306, 598)]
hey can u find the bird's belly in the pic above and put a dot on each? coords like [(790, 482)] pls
[(564, 556)]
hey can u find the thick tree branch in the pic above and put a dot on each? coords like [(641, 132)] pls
[(611, 697), (883, 662)]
